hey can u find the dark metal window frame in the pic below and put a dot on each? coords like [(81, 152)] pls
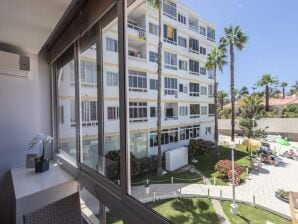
[(115, 197)]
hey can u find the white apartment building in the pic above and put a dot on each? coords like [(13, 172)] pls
[(187, 87)]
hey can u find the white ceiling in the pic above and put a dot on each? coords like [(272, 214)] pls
[(28, 23)]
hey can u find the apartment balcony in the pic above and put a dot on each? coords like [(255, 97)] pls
[(171, 111), (137, 53), (194, 24), (137, 25)]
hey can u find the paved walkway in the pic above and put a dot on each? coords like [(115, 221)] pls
[(262, 186)]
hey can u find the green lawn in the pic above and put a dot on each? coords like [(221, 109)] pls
[(206, 162), (251, 215), (186, 211), (187, 177), (200, 210)]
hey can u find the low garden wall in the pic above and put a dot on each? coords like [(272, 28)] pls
[(286, 127)]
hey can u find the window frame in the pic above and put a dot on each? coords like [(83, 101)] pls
[(117, 198)]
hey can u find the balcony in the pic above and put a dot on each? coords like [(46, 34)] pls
[(194, 24), (137, 50), (171, 111), (137, 25)]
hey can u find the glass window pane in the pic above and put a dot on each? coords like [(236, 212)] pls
[(66, 100)]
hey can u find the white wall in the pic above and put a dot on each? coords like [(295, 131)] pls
[(25, 111)]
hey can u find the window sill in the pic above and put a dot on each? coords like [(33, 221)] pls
[(67, 163)]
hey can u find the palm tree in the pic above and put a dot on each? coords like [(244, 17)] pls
[(243, 92), (234, 37), (251, 107), (215, 59), (157, 4), (221, 96), (267, 80), (295, 86)]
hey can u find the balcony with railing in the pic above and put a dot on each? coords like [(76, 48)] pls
[(137, 50), (137, 24), (171, 111), (194, 24)]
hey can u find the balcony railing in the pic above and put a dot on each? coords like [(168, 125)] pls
[(194, 28), (171, 118), (135, 27)]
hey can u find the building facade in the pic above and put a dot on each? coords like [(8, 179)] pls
[(187, 109)]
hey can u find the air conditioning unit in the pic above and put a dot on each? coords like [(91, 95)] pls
[(14, 64), (142, 34)]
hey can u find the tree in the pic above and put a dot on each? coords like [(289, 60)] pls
[(234, 37), (222, 95), (243, 92), (294, 88), (251, 107), (216, 59), (157, 4), (267, 80)]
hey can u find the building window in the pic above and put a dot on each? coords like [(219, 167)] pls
[(112, 45), (153, 84), (203, 71), (113, 113), (170, 60), (183, 65), (138, 111), (194, 89), (168, 136), (182, 42), (89, 115), (112, 79), (193, 45), (204, 110), (182, 88), (203, 50), (194, 110), (170, 86), (181, 18), (203, 30), (153, 29), (189, 132), (88, 74), (153, 112), (170, 9), (210, 74), (137, 81), (210, 91), (203, 90), (194, 67), (152, 56), (208, 131), (211, 109), (183, 111), (210, 34), (170, 34)]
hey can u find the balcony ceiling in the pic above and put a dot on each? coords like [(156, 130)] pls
[(27, 24)]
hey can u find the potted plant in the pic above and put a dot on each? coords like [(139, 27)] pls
[(41, 163)]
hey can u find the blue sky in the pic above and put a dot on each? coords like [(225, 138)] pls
[(272, 27)]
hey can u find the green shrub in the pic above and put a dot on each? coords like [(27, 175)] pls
[(113, 165), (198, 147), (137, 166)]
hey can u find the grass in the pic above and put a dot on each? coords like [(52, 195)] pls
[(251, 215), (188, 211), (187, 177), (206, 162), (200, 210)]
